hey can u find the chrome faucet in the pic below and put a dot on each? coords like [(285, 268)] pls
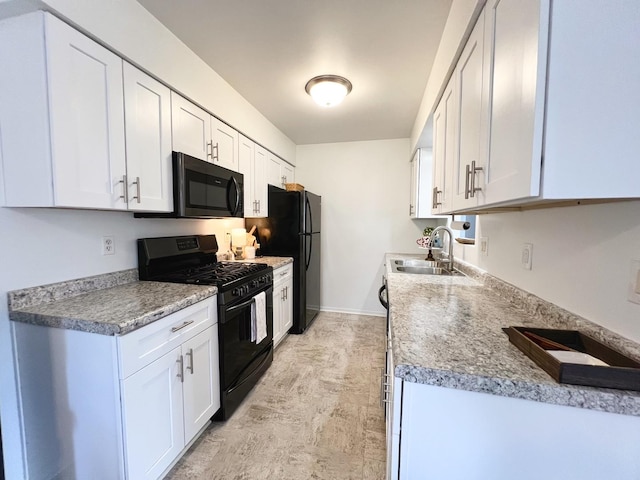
[(433, 236)]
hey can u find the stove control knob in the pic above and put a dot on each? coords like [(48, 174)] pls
[(246, 289), (235, 292), (254, 283)]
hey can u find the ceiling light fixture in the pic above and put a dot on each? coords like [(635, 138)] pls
[(328, 90)]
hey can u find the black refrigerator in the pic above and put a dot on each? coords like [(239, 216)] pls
[(292, 229)]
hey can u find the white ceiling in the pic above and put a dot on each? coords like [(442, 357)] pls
[(268, 49)]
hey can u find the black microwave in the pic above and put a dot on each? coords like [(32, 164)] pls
[(203, 190)]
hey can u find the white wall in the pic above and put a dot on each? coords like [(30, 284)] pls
[(581, 258), (365, 213), (41, 246)]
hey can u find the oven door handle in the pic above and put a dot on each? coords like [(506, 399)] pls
[(242, 305), (382, 301)]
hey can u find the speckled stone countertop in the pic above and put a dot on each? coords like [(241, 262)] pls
[(447, 331), (111, 304), (275, 262)]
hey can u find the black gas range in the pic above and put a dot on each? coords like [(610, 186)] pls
[(192, 259)]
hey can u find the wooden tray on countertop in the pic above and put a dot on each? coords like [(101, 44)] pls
[(622, 372)]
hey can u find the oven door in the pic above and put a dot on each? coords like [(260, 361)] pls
[(237, 352)]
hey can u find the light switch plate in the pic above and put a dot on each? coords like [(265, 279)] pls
[(484, 246), (527, 253), (634, 282)]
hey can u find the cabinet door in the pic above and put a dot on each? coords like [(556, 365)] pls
[(278, 301), (87, 119), (517, 98), (224, 145), (288, 172), (246, 160), (274, 172), (148, 131), (190, 128), (260, 182), (471, 125), (444, 149), (201, 385), (153, 417), (413, 185), (287, 306)]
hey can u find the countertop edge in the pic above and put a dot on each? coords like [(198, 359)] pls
[(613, 401), (36, 314)]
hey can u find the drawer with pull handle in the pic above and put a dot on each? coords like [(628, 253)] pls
[(283, 273), (143, 346)]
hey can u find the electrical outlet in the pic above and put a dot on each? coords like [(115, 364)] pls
[(484, 246), (108, 246), (634, 282), (527, 253)]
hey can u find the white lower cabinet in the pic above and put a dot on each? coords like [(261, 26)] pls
[(118, 407), (282, 302), (445, 433)]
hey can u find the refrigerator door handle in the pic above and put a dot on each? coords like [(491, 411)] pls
[(307, 260), (307, 207)]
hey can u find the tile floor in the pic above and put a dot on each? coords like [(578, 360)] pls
[(315, 414)]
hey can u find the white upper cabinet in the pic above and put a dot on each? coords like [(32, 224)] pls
[(420, 192), (62, 117), (147, 105), (224, 145), (279, 172), (444, 149), (191, 128), (469, 161), (274, 177), (198, 133), (519, 53), (252, 164), (259, 174), (544, 104), (288, 173)]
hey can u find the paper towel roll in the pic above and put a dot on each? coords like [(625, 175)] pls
[(457, 225)]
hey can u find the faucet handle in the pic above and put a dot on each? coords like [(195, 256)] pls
[(430, 256)]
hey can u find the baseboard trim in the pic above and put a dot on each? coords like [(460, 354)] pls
[(353, 312)]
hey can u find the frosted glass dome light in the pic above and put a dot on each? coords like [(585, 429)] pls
[(328, 90)]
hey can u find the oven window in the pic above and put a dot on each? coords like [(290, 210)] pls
[(206, 191)]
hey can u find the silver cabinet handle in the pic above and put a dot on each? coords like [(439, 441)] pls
[(466, 181), (286, 292), (180, 327), (210, 150), (190, 365), (137, 184), (125, 188), (435, 202), (181, 371), (215, 155), (259, 207), (474, 170), (382, 388), (410, 209), (282, 295)]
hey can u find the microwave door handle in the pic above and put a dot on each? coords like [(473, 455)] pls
[(235, 208)]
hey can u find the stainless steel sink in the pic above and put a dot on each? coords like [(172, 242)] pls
[(417, 263), (421, 267)]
